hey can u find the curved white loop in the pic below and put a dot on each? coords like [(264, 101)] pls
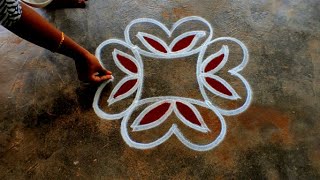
[(169, 33), (235, 72)]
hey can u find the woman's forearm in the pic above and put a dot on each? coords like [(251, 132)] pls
[(37, 30), (32, 27)]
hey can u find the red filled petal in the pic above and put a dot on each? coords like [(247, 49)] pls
[(188, 113), (127, 63), (183, 43), (214, 63), (218, 86), (125, 87), (155, 44), (155, 114)]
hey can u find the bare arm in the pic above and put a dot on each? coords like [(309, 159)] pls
[(37, 30)]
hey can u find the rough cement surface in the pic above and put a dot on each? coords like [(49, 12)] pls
[(48, 129)]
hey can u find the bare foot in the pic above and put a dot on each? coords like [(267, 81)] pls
[(67, 4)]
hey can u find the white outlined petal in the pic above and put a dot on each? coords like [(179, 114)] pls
[(190, 116), (218, 86), (125, 62), (153, 116), (215, 61), (186, 41), (127, 86), (153, 43)]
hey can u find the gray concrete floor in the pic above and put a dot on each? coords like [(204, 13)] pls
[(48, 128)]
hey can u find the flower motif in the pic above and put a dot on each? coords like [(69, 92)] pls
[(212, 82), (158, 109), (129, 84), (182, 46), (158, 112)]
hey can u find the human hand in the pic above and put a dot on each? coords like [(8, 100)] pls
[(89, 69)]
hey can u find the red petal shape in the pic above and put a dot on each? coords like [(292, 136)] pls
[(187, 113), (125, 87), (214, 63), (155, 114), (155, 44), (183, 43), (218, 86), (127, 63)]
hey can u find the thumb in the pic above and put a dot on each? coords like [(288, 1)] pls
[(104, 72)]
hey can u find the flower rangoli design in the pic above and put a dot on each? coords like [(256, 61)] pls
[(158, 109)]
